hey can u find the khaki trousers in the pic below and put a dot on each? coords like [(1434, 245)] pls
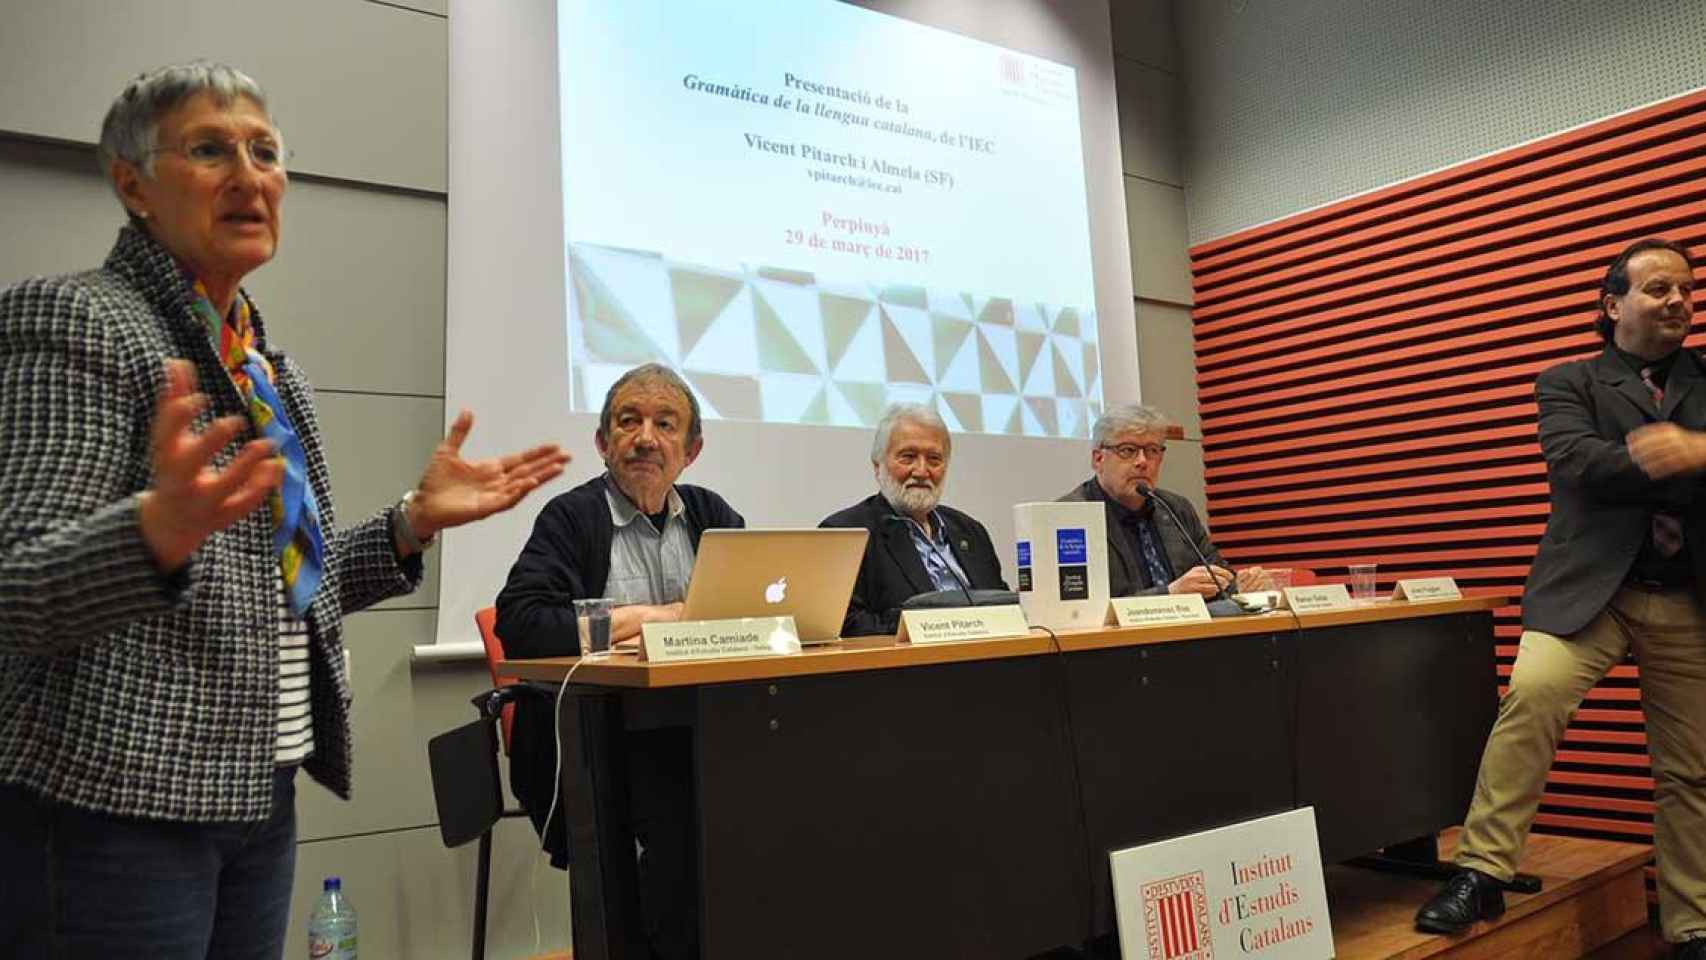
[(1668, 633)]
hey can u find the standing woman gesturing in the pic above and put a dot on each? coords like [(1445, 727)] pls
[(173, 577)]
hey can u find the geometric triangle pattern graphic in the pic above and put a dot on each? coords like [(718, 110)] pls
[(773, 343), (949, 334), (778, 350), (699, 298), (900, 354), (842, 318)]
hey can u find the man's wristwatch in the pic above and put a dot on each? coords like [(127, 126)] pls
[(404, 531)]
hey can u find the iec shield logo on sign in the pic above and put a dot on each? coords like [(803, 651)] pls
[(1175, 918), (1255, 888)]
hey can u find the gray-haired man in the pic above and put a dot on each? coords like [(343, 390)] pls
[(1150, 551), (916, 544)]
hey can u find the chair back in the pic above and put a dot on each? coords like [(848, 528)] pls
[(486, 619), (466, 787)]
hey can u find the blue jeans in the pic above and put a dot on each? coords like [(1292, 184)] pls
[(75, 884)]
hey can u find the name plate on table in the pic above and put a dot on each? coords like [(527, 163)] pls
[(1167, 608), (1327, 596), (1427, 588), (1252, 889), (949, 624), (716, 639)]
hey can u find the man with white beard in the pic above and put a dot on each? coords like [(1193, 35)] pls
[(916, 544)]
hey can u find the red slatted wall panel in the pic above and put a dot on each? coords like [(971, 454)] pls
[(1366, 375)]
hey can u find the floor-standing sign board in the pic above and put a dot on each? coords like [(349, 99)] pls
[(1252, 889)]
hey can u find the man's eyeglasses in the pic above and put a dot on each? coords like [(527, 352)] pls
[(1129, 451), (213, 153)]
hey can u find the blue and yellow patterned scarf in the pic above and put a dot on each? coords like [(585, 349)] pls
[(295, 515)]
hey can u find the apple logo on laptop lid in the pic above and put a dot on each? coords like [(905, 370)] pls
[(776, 592)]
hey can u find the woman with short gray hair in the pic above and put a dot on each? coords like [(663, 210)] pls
[(172, 576)]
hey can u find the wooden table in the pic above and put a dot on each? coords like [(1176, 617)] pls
[(874, 799)]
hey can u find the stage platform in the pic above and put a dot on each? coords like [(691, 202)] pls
[(1594, 892)]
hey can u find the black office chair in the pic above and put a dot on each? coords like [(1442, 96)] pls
[(468, 790)]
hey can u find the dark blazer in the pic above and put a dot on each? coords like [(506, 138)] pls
[(567, 558), (1602, 504), (123, 691), (891, 571), (1124, 567)]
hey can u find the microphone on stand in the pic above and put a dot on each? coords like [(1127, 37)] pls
[(1224, 591)]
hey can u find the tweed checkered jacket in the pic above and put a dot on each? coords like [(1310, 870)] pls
[(122, 690)]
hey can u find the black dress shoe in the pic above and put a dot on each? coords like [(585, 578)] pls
[(1689, 950), (1468, 896)]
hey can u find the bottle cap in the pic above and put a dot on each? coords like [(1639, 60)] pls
[(334, 883)]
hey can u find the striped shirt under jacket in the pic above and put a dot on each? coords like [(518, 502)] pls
[(123, 691)]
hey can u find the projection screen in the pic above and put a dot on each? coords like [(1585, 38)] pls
[(811, 209)]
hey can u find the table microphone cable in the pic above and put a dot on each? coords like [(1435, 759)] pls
[(1077, 779), (557, 739), (556, 789)]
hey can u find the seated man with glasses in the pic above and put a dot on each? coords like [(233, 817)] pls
[(1149, 550)]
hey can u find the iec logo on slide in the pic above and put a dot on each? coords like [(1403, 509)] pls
[(1175, 918), (1012, 69)]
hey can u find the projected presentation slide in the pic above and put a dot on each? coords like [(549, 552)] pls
[(812, 210)]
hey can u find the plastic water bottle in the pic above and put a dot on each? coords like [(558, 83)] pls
[(331, 927)]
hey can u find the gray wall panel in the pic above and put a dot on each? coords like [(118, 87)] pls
[(1165, 349), (377, 446), (397, 709), (356, 292), (1160, 264), (358, 88), (1147, 85), (1291, 104), (1149, 122), (1143, 31), (60, 216), (437, 7)]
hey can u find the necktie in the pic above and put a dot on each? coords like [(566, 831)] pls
[(1154, 564), (1653, 388), (295, 514), (1667, 528)]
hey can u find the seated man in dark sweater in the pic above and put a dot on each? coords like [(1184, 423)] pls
[(916, 544), (1150, 551), (629, 534)]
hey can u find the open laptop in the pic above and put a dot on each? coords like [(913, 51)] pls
[(807, 574)]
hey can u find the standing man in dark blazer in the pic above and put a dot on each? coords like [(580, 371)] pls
[(1150, 551), (916, 544), (1622, 564)]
